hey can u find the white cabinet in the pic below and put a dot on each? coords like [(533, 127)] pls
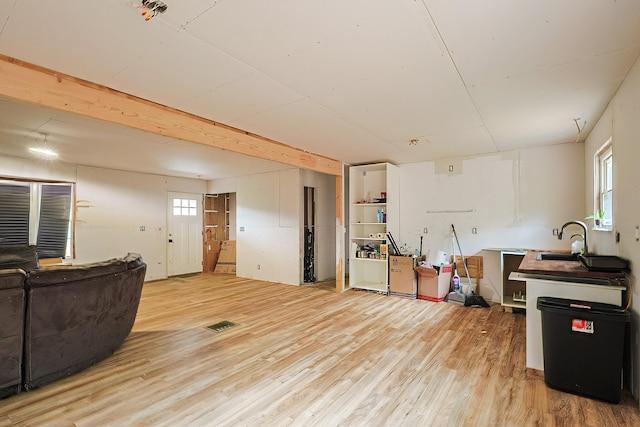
[(374, 211), (579, 289), (514, 292)]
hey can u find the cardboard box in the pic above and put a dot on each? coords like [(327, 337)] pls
[(402, 276), (433, 286)]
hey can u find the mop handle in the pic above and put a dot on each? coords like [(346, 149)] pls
[(464, 262)]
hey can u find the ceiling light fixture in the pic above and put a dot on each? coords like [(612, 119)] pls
[(152, 8), (43, 151)]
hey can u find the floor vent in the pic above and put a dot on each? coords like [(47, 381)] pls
[(221, 326)]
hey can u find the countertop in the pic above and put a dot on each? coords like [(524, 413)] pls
[(531, 265)]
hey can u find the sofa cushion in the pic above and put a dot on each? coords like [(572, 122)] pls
[(23, 256), (12, 306), (58, 274), (12, 278)]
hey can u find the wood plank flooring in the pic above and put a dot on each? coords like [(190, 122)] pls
[(306, 356)]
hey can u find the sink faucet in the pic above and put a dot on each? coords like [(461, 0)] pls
[(584, 236)]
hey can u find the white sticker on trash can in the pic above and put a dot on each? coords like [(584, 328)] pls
[(581, 325)]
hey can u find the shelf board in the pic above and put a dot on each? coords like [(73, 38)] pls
[(368, 260), (370, 286), (509, 302), (210, 210), (368, 238), (210, 226), (369, 204), (368, 223)]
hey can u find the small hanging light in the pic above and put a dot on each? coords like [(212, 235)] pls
[(152, 8), (44, 151)]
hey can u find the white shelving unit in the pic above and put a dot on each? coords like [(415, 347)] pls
[(367, 185)]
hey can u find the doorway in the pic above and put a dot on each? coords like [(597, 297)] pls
[(184, 233), (310, 248), (219, 227)]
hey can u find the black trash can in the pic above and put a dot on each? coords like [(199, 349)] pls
[(583, 346)]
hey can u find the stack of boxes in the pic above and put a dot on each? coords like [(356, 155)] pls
[(409, 280)]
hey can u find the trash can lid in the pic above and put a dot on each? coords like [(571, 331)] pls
[(564, 305)]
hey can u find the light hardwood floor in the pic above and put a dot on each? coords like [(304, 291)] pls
[(307, 356)]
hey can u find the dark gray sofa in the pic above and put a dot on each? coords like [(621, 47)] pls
[(12, 303), (70, 317)]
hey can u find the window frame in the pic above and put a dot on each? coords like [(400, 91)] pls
[(57, 215), (184, 206), (603, 185), (33, 216)]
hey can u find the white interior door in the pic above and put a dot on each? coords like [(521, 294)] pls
[(184, 233)]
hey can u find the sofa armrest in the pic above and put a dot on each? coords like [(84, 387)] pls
[(133, 260), (58, 274)]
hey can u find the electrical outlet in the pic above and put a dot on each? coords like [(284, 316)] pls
[(142, 228), (555, 232), (241, 228), (474, 230), (450, 168), (425, 230), (258, 267)]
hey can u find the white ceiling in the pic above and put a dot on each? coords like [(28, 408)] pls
[(352, 80)]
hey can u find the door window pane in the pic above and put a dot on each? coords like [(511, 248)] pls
[(185, 207)]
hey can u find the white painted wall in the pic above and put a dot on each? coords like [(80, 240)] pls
[(35, 168), (269, 209), (268, 233), (118, 203), (513, 199), (121, 202), (226, 185), (621, 120)]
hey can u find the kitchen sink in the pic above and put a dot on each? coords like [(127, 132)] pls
[(603, 263), (556, 256)]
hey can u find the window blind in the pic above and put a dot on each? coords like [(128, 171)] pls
[(14, 214), (53, 229)]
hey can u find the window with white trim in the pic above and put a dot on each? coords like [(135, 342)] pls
[(603, 187), (185, 207), (37, 213)]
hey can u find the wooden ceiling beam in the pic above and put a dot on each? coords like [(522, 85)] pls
[(25, 82)]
